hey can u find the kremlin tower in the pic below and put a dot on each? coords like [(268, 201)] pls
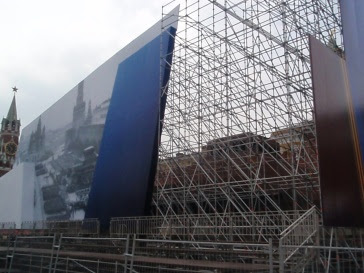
[(9, 138)]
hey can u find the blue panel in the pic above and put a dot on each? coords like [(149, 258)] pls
[(353, 23), (125, 170)]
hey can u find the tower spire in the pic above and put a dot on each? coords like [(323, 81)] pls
[(12, 114)]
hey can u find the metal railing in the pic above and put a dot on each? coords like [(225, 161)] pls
[(297, 250), (7, 225), (300, 233), (257, 227), (342, 259), (76, 227), (129, 254)]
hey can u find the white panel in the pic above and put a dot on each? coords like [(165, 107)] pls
[(14, 186)]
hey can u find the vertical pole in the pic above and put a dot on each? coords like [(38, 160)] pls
[(98, 228), (289, 105), (57, 253), (41, 264), (67, 265), (338, 253), (281, 257), (132, 254), (126, 253), (30, 262), (317, 251), (270, 255), (361, 246), (7, 253), (329, 258), (50, 262), (231, 229), (13, 253)]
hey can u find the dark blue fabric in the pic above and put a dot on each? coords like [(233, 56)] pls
[(126, 166), (352, 13)]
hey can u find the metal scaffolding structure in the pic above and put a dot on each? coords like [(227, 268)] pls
[(237, 184), (238, 132)]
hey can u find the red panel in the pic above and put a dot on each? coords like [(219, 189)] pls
[(341, 192)]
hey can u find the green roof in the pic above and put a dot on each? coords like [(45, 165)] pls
[(12, 111)]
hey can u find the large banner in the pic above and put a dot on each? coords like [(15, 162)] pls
[(339, 110), (352, 12), (94, 151), (126, 166), (337, 139)]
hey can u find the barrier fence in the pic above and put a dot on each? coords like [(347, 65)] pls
[(130, 254), (303, 246), (89, 227), (7, 225), (291, 243), (257, 227)]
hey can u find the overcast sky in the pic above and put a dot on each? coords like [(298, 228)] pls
[(48, 46)]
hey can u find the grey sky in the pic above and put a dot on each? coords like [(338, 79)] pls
[(48, 46)]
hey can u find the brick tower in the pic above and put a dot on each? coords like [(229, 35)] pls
[(9, 138)]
